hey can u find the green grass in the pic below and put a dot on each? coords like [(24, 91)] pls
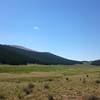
[(71, 69)]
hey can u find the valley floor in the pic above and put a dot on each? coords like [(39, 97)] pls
[(49, 82)]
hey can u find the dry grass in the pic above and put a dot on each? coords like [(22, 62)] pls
[(50, 86)]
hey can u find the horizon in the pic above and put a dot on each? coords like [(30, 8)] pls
[(67, 28)]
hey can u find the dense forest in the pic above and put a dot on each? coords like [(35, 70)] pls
[(19, 55), (96, 62)]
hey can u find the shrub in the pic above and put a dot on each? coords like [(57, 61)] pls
[(50, 80), (97, 81), (50, 97), (2, 97), (30, 85), (28, 89), (91, 97), (46, 86), (87, 75), (67, 78), (21, 96), (80, 79)]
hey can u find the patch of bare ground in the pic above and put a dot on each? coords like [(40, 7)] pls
[(26, 75)]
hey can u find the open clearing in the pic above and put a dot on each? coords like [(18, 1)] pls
[(49, 82)]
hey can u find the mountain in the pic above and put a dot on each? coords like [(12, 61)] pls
[(96, 62), (12, 54)]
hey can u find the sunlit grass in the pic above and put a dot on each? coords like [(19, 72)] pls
[(62, 81)]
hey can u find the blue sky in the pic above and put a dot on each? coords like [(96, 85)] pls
[(69, 28)]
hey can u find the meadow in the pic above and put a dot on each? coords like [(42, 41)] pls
[(50, 82)]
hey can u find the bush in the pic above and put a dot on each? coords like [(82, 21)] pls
[(67, 78), (87, 75), (46, 86), (80, 79), (97, 81), (30, 85), (2, 97), (28, 89), (50, 80), (91, 97), (50, 97)]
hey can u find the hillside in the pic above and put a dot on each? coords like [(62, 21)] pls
[(96, 62), (21, 55)]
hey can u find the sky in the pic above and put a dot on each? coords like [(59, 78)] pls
[(68, 28)]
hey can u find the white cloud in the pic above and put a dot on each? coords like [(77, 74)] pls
[(36, 28)]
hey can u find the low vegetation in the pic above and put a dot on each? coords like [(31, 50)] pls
[(49, 82)]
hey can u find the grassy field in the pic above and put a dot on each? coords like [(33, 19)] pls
[(49, 82)]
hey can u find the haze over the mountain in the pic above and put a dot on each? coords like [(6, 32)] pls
[(12, 54), (21, 47)]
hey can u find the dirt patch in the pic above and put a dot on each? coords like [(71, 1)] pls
[(33, 74)]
